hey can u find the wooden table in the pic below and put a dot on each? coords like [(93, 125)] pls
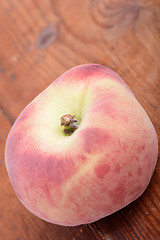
[(39, 40)]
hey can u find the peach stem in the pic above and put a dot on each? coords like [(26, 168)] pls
[(69, 121)]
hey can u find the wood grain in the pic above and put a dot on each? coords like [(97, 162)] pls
[(39, 40)]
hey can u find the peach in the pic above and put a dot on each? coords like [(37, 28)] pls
[(81, 171)]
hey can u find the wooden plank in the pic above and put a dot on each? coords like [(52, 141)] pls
[(39, 40)]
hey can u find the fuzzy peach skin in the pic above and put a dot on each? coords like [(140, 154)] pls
[(104, 165)]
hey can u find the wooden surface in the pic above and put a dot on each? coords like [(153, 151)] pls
[(39, 40)]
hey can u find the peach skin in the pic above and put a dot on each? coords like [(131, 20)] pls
[(82, 149)]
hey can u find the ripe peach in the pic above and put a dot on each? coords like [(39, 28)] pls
[(81, 171)]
